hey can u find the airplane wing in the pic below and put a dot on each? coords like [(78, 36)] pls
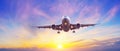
[(54, 27), (77, 26), (86, 25), (44, 26)]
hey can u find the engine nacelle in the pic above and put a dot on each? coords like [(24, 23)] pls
[(78, 25), (53, 26)]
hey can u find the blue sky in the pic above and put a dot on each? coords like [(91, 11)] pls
[(18, 17)]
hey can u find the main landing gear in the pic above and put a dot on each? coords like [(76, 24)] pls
[(58, 32), (73, 31)]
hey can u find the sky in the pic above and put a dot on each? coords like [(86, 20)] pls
[(18, 18)]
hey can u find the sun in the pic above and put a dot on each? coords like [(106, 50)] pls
[(59, 46)]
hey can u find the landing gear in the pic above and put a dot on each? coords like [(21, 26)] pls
[(73, 31), (58, 32)]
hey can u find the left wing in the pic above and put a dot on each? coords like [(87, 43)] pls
[(44, 26), (77, 26), (54, 27)]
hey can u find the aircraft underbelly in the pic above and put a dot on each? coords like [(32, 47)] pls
[(66, 28)]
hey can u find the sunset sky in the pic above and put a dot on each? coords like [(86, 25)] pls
[(18, 18)]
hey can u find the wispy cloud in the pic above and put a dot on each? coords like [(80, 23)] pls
[(111, 14)]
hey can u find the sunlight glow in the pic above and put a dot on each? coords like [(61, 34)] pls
[(60, 46)]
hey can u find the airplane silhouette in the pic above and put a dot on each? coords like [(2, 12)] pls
[(66, 25)]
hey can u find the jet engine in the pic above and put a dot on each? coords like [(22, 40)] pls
[(78, 25), (53, 26)]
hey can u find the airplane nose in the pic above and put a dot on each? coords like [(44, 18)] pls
[(65, 23), (67, 17)]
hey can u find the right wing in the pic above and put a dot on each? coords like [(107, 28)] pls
[(77, 26), (86, 25)]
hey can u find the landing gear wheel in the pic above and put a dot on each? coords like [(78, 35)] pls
[(73, 31), (58, 32)]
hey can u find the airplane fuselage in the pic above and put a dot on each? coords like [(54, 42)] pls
[(65, 24)]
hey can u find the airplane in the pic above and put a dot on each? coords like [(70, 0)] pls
[(66, 25)]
